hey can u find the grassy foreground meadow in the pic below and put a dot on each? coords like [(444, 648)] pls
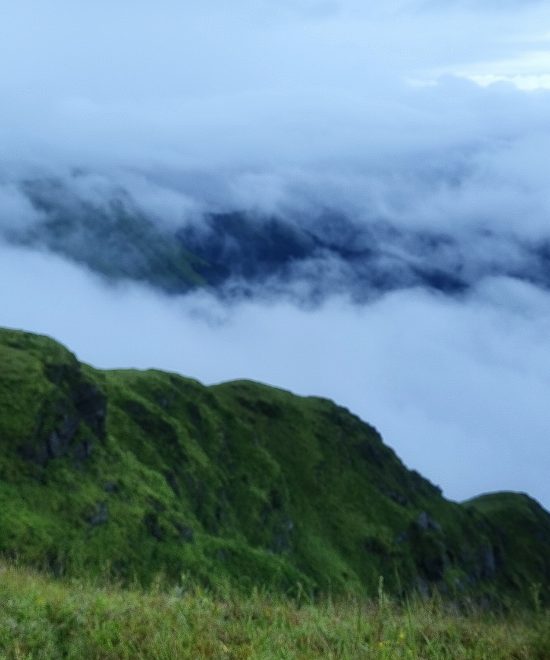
[(44, 617)]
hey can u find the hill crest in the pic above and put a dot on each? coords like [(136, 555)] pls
[(138, 473)]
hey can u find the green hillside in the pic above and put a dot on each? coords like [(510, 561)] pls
[(132, 474)]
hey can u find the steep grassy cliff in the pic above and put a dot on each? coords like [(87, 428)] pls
[(137, 473)]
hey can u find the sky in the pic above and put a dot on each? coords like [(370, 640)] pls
[(431, 115)]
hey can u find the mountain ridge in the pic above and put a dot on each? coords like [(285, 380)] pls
[(239, 253), (136, 473)]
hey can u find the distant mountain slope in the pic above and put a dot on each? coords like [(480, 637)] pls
[(140, 472), (109, 236), (237, 254)]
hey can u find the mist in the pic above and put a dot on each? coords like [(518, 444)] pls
[(459, 389)]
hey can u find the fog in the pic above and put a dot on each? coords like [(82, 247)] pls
[(459, 389)]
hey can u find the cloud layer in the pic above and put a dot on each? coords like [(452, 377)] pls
[(459, 389)]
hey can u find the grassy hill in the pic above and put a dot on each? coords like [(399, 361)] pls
[(134, 474)]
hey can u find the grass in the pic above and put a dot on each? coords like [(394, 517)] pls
[(43, 617)]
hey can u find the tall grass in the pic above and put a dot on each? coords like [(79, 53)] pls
[(41, 617)]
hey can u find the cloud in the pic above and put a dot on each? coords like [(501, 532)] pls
[(16, 210), (197, 86), (459, 388), (285, 108)]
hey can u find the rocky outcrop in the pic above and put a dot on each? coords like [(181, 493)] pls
[(72, 417)]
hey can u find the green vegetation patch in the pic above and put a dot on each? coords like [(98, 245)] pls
[(130, 474)]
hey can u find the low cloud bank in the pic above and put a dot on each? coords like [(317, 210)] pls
[(460, 389), (131, 228)]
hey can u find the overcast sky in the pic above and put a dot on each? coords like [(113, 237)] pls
[(432, 114)]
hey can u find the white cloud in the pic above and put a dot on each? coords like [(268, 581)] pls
[(16, 211), (199, 85), (528, 71), (459, 389)]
